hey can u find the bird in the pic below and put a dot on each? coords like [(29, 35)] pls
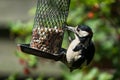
[(81, 50)]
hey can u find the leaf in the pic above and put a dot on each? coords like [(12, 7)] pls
[(65, 42), (93, 74), (105, 76)]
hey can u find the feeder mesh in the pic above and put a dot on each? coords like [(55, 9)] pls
[(48, 25), (51, 13)]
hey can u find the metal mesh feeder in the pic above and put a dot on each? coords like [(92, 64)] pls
[(48, 30), (48, 27)]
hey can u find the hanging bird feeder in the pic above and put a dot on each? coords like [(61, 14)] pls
[(48, 29)]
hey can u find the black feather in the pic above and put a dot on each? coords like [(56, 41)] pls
[(77, 64), (89, 53)]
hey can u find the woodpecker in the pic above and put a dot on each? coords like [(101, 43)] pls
[(81, 50)]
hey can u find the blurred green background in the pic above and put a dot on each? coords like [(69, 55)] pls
[(16, 23)]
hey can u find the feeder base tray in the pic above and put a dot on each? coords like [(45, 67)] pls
[(27, 49)]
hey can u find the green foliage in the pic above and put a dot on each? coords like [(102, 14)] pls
[(21, 28), (93, 74), (29, 79), (12, 77)]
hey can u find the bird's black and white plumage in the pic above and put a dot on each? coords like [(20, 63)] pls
[(81, 49)]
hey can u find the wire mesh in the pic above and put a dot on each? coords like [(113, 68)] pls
[(48, 27)]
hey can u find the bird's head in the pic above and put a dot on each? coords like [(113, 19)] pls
[(83, 33)]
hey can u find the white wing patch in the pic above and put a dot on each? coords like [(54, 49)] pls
[(77, 57)]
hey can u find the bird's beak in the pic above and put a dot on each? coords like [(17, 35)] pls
[(70, 28)]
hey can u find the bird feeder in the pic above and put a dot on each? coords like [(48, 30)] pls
[(48, 29)]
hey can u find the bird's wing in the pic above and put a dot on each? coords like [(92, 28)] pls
[(90, 53), (27, 49)]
